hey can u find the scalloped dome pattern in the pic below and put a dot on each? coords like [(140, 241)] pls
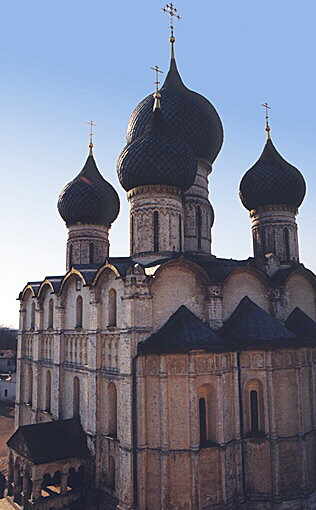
[(188, 114), (272, 181), (157, 158), (89, 198)]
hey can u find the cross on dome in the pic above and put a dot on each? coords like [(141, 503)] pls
[(267, 108), (172, 11), (91, 134)]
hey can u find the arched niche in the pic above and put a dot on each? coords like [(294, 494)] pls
[(207, 416), (112, 410), (112, 307), (79, 311), (71, 290), (48, 391), (301, 293), (76, 396), (175, 285), (46, 305), (240, 284), (26, 306), (107, 292), (254, 417), (29, 385)]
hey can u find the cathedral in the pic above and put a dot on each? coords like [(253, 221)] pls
[(170, 379)]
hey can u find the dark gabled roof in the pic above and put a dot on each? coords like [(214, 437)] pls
[(250, 326), (182, 332), (50, 441), (301, 325)]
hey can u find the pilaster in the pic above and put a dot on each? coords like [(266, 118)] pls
[(215, 305)]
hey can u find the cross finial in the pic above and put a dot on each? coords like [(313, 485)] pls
[(267, 108), (157, 95), (91, 134), (157, 70), (171, 10)]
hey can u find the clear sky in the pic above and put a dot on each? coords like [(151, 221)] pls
[(64, 63)]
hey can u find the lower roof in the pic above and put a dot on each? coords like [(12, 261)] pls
[(46, 442)]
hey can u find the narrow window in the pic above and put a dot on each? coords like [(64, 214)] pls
[(132, 234), (286, 237), (202, 415), (30, 386), (112, 394), (79, 312), (180, 233), (33, 316), (254, 412), (48, 395), (57, 479), (91, 253), (263, 241), (112, 473), (76, 396), (112, 308), (70, 255), (51, 314), (199, 226), (156, 231), (5, 393), (274, 242)]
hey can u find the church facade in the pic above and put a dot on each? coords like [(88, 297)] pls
[(170, 379)]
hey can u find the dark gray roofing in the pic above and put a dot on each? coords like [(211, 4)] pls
[(56, 282), (182, 332), (217, 268), (50, 441), (301, 324), (89, 198), (280, 277), (157, 157), (272, 180), (251, 326), (122, 264), (188, 114)]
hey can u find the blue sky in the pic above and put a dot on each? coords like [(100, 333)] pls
[(63, 63)]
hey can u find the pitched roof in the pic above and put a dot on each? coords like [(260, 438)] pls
[(301, 324), (251, 326), (182, 332), (50, 441)]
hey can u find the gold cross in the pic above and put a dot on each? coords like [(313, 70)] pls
[(91, 134), (267, 108), (173, 13), (157, 71)]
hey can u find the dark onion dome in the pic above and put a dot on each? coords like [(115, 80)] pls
[(187, 113), (157, 157), (272, 181), (89, 198)]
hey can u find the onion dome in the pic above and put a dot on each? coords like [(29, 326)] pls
[(187, 113), (89, 198), (272, 181), (157, 157)]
